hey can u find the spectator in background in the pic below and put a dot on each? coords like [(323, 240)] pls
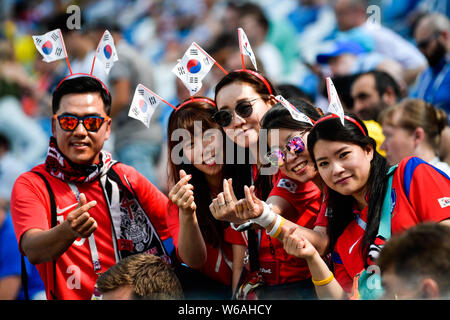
[(139, 277), (11, 287), (372, 92), (256, 26), (413, 128), (353, 22), (432, 36), (416, 264), (10, 168), (349, 57)]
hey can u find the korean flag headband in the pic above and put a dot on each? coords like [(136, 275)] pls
[(51, 46), (335, 107), (191, 70)]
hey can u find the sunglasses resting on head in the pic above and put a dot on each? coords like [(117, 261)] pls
[(69, 122)]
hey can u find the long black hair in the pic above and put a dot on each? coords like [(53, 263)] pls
[(340, 207)]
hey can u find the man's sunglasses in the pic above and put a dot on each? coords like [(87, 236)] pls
[(70, 122), (244, 109), (277, 156), (424, 43)]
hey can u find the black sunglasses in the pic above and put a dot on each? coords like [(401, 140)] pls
[(424, 43), (243, 109), (70, 122)]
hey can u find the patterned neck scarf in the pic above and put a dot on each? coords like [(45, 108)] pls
[(59, 166)]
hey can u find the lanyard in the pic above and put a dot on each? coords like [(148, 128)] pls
[(436, 85), (91, 239)]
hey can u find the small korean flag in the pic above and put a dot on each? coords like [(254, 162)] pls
[(144, 104), (295, 113), (193, 67), (106, 51), (51, 45), (335, 105), (244, 46)]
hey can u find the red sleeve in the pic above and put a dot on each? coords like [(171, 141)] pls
[(153, 201), (29, 205), (427, 189), (173, 223), (322, 220), (234, 237)]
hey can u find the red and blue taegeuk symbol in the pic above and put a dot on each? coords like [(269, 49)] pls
[(47, 47), (107, 51), (143, 105), (194, 66)]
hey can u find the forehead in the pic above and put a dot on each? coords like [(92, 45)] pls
[(327, 149), (82, 103), (284, 135), (230, 94), (423, 30), (364, 83)]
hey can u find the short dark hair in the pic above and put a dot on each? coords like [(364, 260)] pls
[(383, 80), (82, 84)]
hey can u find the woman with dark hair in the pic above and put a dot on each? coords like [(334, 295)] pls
[(243, 97), (357, 178), (196, 173)]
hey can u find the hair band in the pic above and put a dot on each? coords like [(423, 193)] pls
[(259, 76), (345, 117)]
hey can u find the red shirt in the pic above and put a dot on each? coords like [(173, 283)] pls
[(277, 267), (420, 194), (75, 276), (218, 265)]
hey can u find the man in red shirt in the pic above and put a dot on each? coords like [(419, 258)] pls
[(80, 212)]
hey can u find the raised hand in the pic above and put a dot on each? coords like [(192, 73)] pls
[(250, 207), (182, 194), (79, 222), (297, 245), (223, 207)]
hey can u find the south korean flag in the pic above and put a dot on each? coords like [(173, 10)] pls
[(245, 47), (334, 105), (106, 51), (50, 45), (193, 67), (144, 104)]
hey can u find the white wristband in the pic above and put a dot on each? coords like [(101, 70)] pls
[(267, 217), (276, 226)]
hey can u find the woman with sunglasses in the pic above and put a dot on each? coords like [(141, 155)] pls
[(357, 178), (214, 251), (286, 278)]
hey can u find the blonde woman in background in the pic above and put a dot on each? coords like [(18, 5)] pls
[(413, 127)]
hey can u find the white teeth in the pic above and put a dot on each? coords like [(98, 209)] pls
[(209, 161), (300, 166)]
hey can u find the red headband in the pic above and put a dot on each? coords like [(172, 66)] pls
[(196, 100), (76, 75), (259, 76), (345, 117)]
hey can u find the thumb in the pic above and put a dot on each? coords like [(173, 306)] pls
[(182, 174), (230, 184), (82, 200)]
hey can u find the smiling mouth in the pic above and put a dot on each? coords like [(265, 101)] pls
[(343, 180), (210, 162), (300, 166)]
